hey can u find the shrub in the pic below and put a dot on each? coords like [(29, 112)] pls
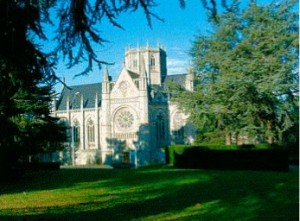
[(171, 150), (265, 157)]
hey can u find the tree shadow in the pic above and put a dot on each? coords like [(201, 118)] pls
[(117, 148), (138, 194), (50, 180)]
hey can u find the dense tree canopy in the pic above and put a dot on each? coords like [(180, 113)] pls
[(247, 73)]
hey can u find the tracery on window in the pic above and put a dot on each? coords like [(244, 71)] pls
[(76, 132), (124, 119), (91, 133)]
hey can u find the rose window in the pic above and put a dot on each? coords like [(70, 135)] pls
[(124, 85), (124, 119)]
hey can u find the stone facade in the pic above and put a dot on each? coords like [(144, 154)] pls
[(130, 120)]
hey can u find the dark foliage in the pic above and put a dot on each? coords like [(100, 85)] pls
[(25, 93), (245, 158), (41, 166), (247, 76)]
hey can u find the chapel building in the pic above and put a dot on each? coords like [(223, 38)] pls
[(130, 120)]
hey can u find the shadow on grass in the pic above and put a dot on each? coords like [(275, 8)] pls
[(50, 180), (161, 194)]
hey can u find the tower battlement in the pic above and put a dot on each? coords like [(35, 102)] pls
[(152, 58)]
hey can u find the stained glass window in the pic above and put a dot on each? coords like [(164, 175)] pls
[(124, 119), (76, 132), (91, 131)]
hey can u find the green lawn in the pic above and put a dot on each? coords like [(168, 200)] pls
[(151, 194)]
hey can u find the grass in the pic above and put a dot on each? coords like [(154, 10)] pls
[(151, 194)]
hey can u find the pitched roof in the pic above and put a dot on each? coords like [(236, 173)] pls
[(88, 91)]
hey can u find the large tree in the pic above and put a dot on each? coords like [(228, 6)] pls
[(247, 71)]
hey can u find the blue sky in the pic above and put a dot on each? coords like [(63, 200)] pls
[(175, 35)]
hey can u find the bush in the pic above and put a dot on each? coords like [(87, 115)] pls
[(9, 175), (171, 150), (233, 158)]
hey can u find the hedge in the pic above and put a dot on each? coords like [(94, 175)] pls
[(233, 158), (41, 166)]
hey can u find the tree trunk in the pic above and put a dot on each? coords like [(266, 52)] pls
[(236, 137), (240, 139), (270, 138), (228, 140)]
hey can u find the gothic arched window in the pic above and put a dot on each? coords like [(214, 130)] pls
[(90, 132), (160, 128), (76, 132), (152, 62), (124, 119)]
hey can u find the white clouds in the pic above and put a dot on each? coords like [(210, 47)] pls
[(179, 51), (177, 59), (177, 66)]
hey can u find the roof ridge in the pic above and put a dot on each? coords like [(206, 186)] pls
[(80, 85), (169, 75)]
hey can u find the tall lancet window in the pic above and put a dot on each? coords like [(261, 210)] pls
[(152, 62), (160, 129), (91, 133), (76, 132)]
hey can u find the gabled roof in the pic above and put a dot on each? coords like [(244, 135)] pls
[(88, 91)]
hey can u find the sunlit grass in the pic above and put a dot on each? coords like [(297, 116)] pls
[(151, 194)]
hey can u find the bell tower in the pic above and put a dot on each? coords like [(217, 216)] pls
[(155, 63)]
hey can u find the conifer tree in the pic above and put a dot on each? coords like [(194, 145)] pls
[(248, 75)]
